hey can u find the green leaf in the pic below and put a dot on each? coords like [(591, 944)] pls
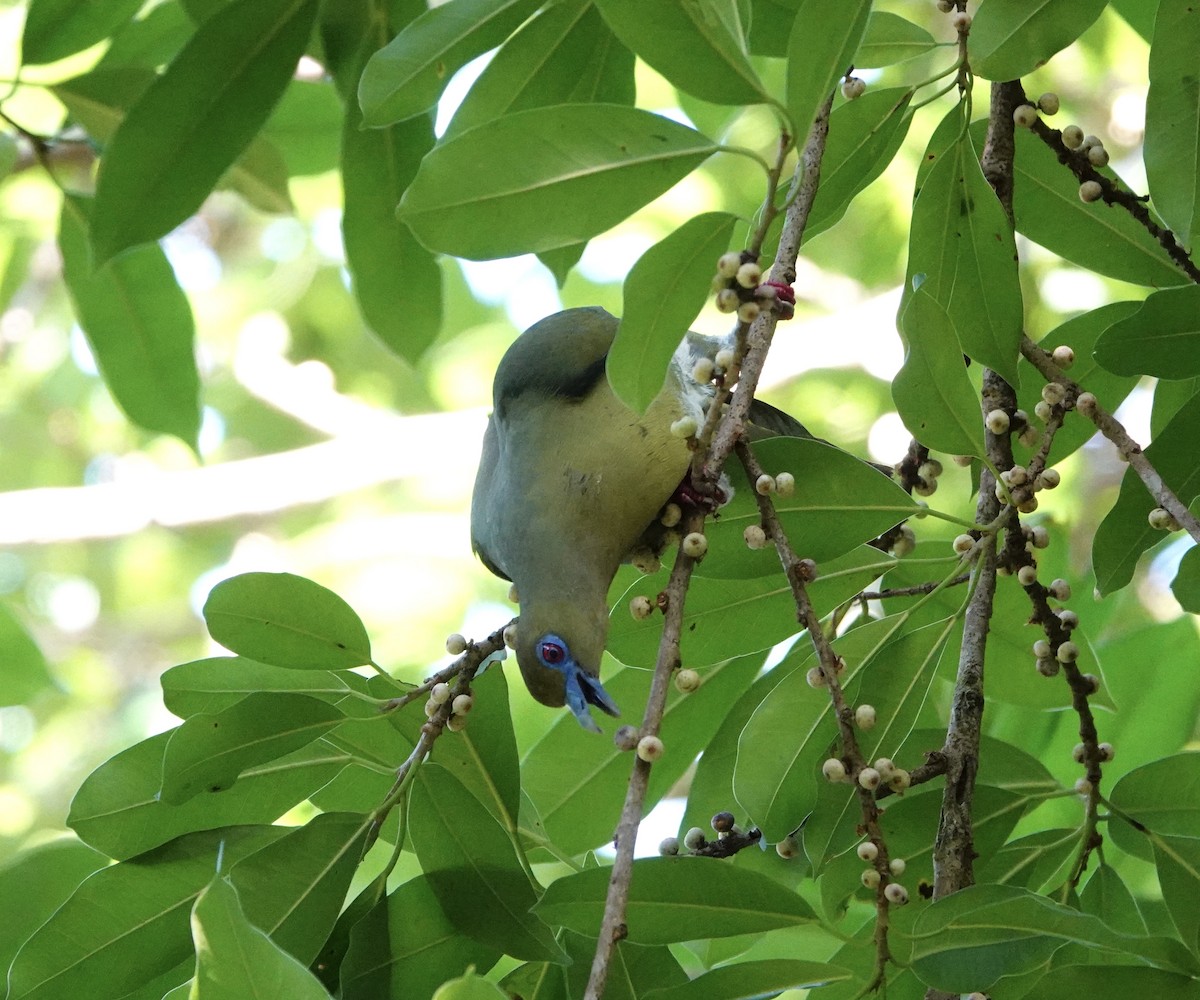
[(1161, 338), (560, 260), (1178, 862), (962, 242), (207, 753), (825, 36), (663, 292), (236, 961), (127, 923), (839, 503), (932, 391), (470, 987), (118, 809), (481, 195), (25, 672), (260, 175), (698, 45), (890, 39), (1080, 333), (1010, 38), (286, 621), (1112, 982), (138, 323), (751, 980), (577, 782), (396, 281), (304, 127), (1164, 797), (675, 899), (1186, 585), (1107, 897), (970, 939), (293, 889), (55, 29), (194, 120), (472, 864), (1172, 145), (565, 55), (864, 136), (1125, 533), (36, 882), (220, 682), (1040, 861), (1047, 209), (150, 41), (784, 743), (406, 946), (719, 624), (633, 972), (406, 77)]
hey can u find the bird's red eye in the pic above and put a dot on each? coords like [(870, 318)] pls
[(552, 652)]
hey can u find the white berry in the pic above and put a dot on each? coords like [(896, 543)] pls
[(870, 878), (867, 851), (439, 694), (1067, 652), (755, 537), (1024, 115), (650, 748), (1027, 576), (869, 778), (764, 484), (641, 607), (963, 544), (1048, 102), (897, 866), (785, 484), (728, 264), (749, 275), (694, 544), (1090, 191), (834, 770), (853, 88), (864, 716), (1072, 137), (896, 893), (997, 421), (1063, 356), (687, 681), (455, 644)]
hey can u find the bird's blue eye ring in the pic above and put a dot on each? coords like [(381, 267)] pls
[(552, 653)]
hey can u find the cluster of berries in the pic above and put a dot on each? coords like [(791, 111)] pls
[(740, 289)]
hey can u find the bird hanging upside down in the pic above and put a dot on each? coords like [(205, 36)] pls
[(569, 483)]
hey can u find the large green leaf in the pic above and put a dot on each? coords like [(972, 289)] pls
[(1010, 38), (1107, 897), (127, 923), (207, 753), (1096, 236), (1172, 145), (151, 40), (55, 29), (565, 55), (406, 77), (482, 195), (675, 899), (719, 623), (751, 980), (1186, 585), (472, 864), (1125, 533), (890, 38), (663, 292), (194, 120), (932, 391), (1164, 797), (962, 243), (304, 127), (1178, 862), (25, 670), (236, 961), (219, 682), (118, 809), (286, 621), (1112, 982), (825, 36), (1161, 338), (138, 323), (407, 947), (698, 45)]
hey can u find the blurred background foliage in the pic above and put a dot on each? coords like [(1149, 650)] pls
[(324, 454)]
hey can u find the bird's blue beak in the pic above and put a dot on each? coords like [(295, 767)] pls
[(582, 690)]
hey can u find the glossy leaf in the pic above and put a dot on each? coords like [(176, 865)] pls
[(1172, 145), (663, 292), (1112, 982), (304, 127), (286, 621), (824, 38), (55, 29), (1178, 862), (962, 242), (1039, 862), (151, 40), (469, 987), (719, 624), (932, 391), (25, 670), (473, 868), (220, 682), (481, 195), (128, 923), (1162, 338), (565, 55), (698, 45), (406, 77), (1010, 38), (1047, 209), (118, 809), (1164, 797), (864, 136), (194, 120), (673, 899), (406, 947), (207, 753), (236, 961), (1186, 585), (1125, 534), (138, 323), (1107, 897), (890, 39), (293, 889), (750, 980)]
